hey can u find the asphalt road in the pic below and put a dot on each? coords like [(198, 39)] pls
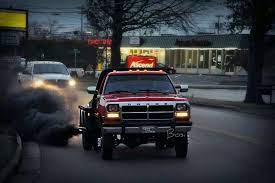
[(225, 146)]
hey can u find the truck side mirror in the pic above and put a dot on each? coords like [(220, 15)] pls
[(92, 90), (182, 88), (26, 72)]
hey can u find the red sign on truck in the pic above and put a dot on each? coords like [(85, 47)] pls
[(138, 61)]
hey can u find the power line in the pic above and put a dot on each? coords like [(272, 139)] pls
[(54, 12)]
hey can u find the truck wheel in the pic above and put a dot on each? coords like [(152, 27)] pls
[(107, 146), (86, 142), (181, 146)]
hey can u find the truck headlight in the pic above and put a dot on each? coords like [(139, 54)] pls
[(181, 107), (72, 83), (38, 83), (181, 114), (112, 108), (113, 115)]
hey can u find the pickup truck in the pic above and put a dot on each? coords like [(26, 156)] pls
[(43, 73), (135, 107)]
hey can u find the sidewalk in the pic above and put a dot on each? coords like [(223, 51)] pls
[(267, 111), (11, 148)]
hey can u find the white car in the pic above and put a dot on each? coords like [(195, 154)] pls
[(39, 73)]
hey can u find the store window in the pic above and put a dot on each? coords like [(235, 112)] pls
[(228, 65), (189, 59), (213, 59), (195, 59), (131, 52), (219, 59), (206, 61), (203, 59), (170, 58), (177, 59), (145, 52), (182, 58)]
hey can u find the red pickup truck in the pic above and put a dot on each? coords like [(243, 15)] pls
[(135, 107)]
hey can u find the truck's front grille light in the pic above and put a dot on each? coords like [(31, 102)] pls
[(182, 114), (113, 115)]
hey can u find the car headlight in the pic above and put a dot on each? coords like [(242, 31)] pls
[(181, 107), (113, 108), (38, 83), (72, 83)]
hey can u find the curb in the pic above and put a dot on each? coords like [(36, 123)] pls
[(9, 169), (216, 106), (229, 107), (229, 87)]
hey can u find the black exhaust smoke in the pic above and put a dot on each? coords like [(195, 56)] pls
[(39, 114), (43, 115)]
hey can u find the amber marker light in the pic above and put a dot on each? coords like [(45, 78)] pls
[(182, 114), (113, 115)]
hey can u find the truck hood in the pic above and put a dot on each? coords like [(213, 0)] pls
[(142, 97), (52, 76)]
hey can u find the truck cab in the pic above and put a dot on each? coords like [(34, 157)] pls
[(136, 107)]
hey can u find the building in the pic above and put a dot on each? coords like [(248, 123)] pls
[(200, 54)]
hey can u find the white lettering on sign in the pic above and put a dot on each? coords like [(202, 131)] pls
[(139, 64)]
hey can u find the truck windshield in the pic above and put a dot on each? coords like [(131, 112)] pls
[(50, 68), (139, 84)]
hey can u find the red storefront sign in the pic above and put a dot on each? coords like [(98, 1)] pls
[(136, 61), (100, 42)]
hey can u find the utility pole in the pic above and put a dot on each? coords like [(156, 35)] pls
[(81, 20), (219, 24)]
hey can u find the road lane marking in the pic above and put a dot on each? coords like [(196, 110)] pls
[(236, 136)]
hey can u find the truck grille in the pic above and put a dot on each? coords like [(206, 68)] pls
[(134, 116), (148, 114), (58, 82), (134, 108)]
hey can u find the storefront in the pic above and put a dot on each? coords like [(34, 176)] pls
[(201, 54)]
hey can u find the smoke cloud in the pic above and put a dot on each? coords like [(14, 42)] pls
[(46, 115)]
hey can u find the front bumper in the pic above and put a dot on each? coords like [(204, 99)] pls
[(145, 129)]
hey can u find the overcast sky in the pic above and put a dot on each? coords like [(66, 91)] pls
[(70, 21)]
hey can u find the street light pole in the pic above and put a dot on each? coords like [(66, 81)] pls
[(76, 51), (74, 58)]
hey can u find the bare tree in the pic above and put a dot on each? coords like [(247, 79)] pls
[(43, 29), (256, 16), (37, 30), (121, 16), (52, 26)]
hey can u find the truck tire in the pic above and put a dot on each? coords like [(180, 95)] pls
[(181, 146), (86, 142), (107, 146)]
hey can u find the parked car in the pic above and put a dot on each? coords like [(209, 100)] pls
[(77, 72), (166, 68), (135, 107), (40, 73)]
